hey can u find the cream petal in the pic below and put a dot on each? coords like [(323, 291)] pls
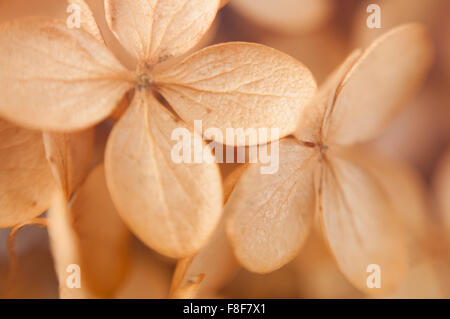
[(173, 208), (155, 30), (389, 72), (239, 85), (360, 225), (69, 156), (55, 78), (26, 181), (271, 215)]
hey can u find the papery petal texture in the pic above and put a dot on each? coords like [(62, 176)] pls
[(155, 30), (360, 225), (26, 181), (387, 74), (239, 85), (271, 215), (172, 207), (69, 156), (56, 78)]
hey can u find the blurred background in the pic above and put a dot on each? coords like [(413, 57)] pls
[(320, 34)]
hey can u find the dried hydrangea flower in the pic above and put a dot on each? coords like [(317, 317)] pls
[(60, 79), (272, 215), (79, 235)]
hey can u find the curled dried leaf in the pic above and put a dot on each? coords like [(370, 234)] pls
[(56, 78), (389, 72), (272, 214), (156, 30), (69, 156), (26, 181), (239, 85), (172, 207), (359, 224)]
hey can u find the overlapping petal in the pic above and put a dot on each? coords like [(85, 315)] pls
[(26, 181), (172, 207), (56, 78), (69, 156), (272, 214), (360, 225), (384, 77), (155, 30), (239, 85)]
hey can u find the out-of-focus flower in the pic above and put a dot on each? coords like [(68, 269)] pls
[(272, 215)]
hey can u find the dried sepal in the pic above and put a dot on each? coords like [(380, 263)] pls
[(154, 31), (78, 238), (175, 206), (69, 156), (271, 215), (26, 181), (88, 22), (360, 225), (239, 85), (56, 78), (286, 16), (389, 72)]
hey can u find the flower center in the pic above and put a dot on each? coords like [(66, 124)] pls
[(145, 81), (322, 148)]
